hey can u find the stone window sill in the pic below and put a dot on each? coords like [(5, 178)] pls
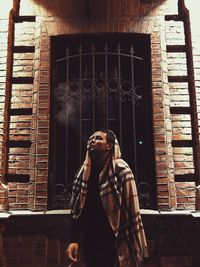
[(146, 212)]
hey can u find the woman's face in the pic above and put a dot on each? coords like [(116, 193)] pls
[(98, 143)]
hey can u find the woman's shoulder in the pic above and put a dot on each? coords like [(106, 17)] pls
[(120, 164)]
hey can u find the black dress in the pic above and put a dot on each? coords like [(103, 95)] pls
[(92, 229)]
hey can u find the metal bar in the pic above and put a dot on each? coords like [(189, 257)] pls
[(180, 110), (17, 178), (133, 110), (22, 80), (178, 79), (176, 48), (19, 19), (106, 78), (20, 111), (23, 49), (120, 107), (173, 17), (66, 113), (93, 87), (19, 143), (100, 53), (184, 13), (80, 104), (147, 136), (54, 148)]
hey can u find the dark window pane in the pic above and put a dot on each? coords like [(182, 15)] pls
[(100, 81)]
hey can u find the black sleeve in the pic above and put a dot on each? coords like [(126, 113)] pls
[(74, 230)]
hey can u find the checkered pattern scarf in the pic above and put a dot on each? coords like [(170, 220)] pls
[(120, 200)]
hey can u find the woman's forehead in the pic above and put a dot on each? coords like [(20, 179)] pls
[(98, 133)]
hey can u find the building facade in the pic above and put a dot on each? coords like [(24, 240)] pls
[(70, 67)]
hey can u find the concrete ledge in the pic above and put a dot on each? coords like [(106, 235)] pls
[(166, 212), (149, 212), (195, 214), (175, 212), (5, 215)]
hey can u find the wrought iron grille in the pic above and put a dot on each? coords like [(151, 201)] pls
[(99, 84)]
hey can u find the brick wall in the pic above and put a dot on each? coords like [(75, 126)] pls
[(29, 241), (172, 240), (3, 61), (171, 161), (37, 241), (41, 240)]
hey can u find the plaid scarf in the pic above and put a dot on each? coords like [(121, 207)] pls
[(120, 201)]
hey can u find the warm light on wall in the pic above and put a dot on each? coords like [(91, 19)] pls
[(27, 7), (6, 6), (193, 7)]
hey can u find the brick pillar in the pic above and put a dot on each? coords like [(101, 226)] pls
[(161, 118), (3, 197)]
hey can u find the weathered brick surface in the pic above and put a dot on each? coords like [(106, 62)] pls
[(3, 60), (68, 18), (173, 240)]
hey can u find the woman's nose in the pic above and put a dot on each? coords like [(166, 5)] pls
[(93, 140)]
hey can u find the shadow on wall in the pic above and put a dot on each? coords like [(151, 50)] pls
[(92, 9)]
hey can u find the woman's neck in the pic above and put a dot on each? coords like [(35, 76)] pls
[(98, 161)]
